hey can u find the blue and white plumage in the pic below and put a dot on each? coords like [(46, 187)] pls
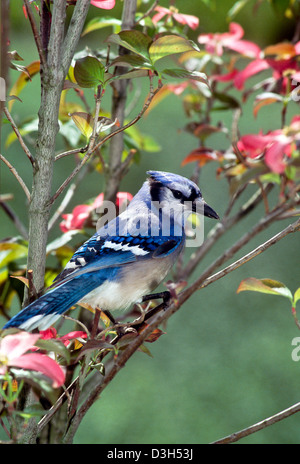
[(126, 259)]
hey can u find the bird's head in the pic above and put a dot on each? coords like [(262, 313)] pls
[(179, 193)]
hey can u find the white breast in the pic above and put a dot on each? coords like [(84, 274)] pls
[(137, 280)]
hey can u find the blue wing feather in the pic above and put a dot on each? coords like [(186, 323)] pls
[(91, 265)]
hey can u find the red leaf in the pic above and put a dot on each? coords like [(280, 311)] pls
[(202, 156)]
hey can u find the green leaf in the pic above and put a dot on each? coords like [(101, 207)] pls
[(28, 128), (145, 350), (236, 8), (185, 74), (54, 345), (270, 286), (248, 175), (280, 6), (229, 101), (32, 69), (89, 72), (296, 296), (10, 252), (168, 45), (35, 410), (135, 41), (84, 122), (136, 61), (133, 138), (131, 74), (60, 241), (70, 133), (100, 22)]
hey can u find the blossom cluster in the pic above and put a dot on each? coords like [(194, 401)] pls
[(280, 66)]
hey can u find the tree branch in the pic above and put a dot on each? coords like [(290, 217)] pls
[(57, 31), (74, 151), (15, 219), (59, 58), (205, 281), (148, 12), (17, 176), (74, 31), (115, 169), (36, 35), (20, 138), (218, 231), (116, 365), (259, 425), (260, 226)]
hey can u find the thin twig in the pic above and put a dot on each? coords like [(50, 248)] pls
[(74, 151), (15, 219), (96, 117), (204, 282), (19, 136), (36, 34), (148, 12), (17, 176), (67, 198), (218, 231), (259, 425), (230, 252)]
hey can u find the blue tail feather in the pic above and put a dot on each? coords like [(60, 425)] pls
[(44, 311)]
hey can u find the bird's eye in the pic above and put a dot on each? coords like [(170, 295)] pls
[(177, 194)]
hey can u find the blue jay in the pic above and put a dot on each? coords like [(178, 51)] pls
[(126, 259)]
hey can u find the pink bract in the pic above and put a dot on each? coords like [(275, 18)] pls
[(189, 20), (104, 4), (14, 353), (214, 43)]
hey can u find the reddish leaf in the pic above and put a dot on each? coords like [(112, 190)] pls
[(154, 335), (32, 69), (202, 156), (270, 286), (22, 279), (283, 50), (260, 103)]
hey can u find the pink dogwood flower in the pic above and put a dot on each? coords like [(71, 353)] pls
[(185, 19), (215, 43), (275, 147), (104, 4), (80, 214), (15, 351), (282, 64), (65, 339)]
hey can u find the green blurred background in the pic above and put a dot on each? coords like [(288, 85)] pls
[(225, 361)]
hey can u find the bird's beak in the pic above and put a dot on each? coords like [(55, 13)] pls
[(202, 207), (209, 212)]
